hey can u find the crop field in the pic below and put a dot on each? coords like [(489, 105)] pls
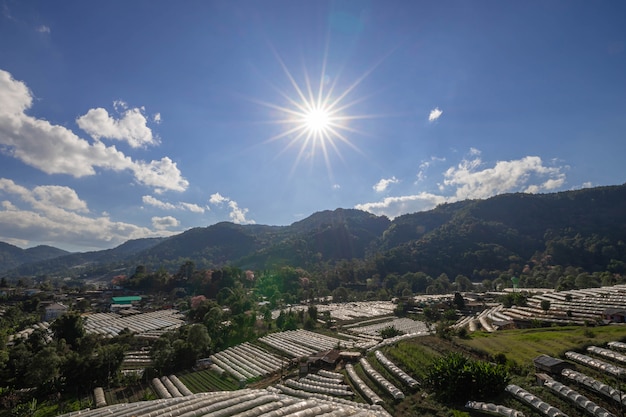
[(523, 346), (207, 380)]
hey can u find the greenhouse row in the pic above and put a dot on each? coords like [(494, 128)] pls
[(170, 387), (395, 371), (595, 385), (494, 409), (363, 388), (533, 401), (310, 386), (299, 343), (111, 324), (607, 353), (576, 398), (616, 371), (405, 325), (381, 380), (369, 410), (246, 361)]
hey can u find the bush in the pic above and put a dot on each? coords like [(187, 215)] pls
[(455, 378)]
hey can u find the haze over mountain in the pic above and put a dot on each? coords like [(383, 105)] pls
[(583, 228)]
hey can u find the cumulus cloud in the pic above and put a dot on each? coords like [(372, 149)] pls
[(396, 206), (237, 214), (162, 223), (152, 201), (156, 118), (383, 184), (54, 149), (434, 114), (217, 199), (56, 215), (471, 179), (131, 127)]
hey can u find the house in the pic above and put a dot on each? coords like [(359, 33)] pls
[(613, 315), (54, 310), (552, 366)]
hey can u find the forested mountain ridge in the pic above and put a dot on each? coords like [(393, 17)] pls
[(583, 228), (13, 256)]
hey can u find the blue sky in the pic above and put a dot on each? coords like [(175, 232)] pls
[(131, 119)]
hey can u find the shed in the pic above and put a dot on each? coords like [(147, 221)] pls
[(550, 365)]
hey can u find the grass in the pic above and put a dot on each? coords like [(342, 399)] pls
[(522, 346)]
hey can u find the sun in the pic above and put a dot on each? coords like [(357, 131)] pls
[(317, 120), (316, 116)]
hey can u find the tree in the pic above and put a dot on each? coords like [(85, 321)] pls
[(545, 305), (69, 327), (199, 339), (340, 295), (459, 301)]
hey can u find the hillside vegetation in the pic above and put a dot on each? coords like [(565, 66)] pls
[(536, 236)]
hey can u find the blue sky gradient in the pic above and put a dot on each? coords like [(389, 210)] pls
[(130, 119)]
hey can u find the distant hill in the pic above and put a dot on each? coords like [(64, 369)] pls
[(582, 228), (12, 256)]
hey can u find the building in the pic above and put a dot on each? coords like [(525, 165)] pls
[(552, 366), (613, 315), (54, 310)]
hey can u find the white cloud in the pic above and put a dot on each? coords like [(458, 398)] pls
[(471, 180), (237, 215), (383, 184), (162, 175), (151, 201), (43, 29), (194, 208), (41, 216), (54, 149), (60, 196), (505, 176), (217, 199), (162, 223), (156, 118), (434, 114), (131, 127), (396, 206)]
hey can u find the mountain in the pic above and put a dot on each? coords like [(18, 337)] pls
[(64, 262), (582, 228), (12, 256)]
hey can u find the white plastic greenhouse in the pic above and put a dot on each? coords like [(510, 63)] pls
[(394, 391), (397, 372), (363, 388), (493, 409), (616, 371), (576, 398), (595, 385), (535, 402)]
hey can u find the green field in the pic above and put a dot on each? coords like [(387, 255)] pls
[(524, 345), (207, 380)]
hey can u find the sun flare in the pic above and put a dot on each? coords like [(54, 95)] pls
[(316, 116), (317, 120)]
